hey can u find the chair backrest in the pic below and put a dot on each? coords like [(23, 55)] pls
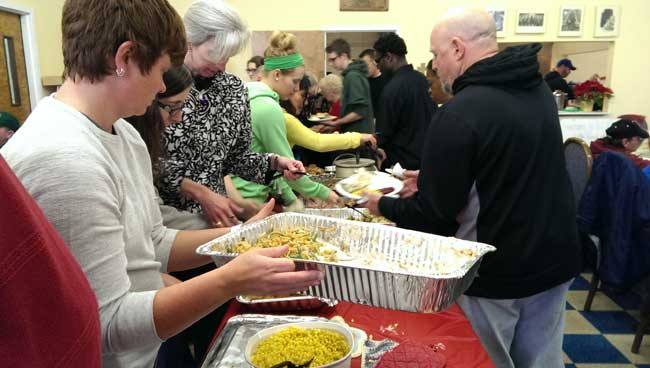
[(577, 157)]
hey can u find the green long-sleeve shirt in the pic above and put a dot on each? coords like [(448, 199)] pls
[(270, 135)]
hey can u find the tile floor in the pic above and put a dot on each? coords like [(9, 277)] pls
[(602, 337)]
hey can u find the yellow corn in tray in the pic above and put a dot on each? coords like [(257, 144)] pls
[(299, 345)]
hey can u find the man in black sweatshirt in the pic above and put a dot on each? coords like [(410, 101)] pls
[(493, 171), (405, 107)]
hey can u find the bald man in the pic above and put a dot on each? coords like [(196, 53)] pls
[(493, 171)]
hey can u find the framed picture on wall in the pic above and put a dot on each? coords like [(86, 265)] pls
[(531, 21), (608, 19), (571, 18), (499, 16), (363, 5)]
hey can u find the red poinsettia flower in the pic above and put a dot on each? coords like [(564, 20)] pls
[(592, 91)]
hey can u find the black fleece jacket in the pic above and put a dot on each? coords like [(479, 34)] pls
[(493, 171)]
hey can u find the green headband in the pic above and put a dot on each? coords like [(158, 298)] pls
[(283, 62)]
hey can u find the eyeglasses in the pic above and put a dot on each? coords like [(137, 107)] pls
[(171, 110), (378, 60)]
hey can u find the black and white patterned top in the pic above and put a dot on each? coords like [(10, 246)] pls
[(212, 141)]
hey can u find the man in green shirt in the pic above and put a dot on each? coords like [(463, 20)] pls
[(356, 100)]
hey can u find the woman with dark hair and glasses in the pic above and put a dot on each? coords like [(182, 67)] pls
[(254, 68), (165, 111)]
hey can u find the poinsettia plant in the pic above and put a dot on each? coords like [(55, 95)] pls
[(592, 91)]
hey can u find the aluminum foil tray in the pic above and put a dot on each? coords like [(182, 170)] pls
[(289, 303), (228, 349), (342, 214), (391, 267)]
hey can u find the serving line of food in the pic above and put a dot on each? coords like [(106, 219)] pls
[(367, 265)]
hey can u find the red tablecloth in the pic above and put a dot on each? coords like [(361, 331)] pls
[(451, 328)]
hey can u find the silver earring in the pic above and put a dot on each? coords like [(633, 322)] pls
[(120, 72), (277, 79)]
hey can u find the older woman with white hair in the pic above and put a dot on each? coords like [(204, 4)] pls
[(214, 138)]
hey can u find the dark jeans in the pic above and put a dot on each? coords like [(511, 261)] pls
[(175, 352)]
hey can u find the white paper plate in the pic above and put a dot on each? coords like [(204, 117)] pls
[(316, 119), (396, 171), (379, 180)]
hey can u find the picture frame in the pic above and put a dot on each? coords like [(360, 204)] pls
[(363, 5), (531, 21), (499, 15), (571, 21), (608, 20)]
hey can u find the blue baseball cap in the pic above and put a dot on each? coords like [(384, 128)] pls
[(567, 63)]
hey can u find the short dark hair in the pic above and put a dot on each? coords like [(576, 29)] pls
[(93, 30), (151, 126), (177, 80), (257, 60), (391, 42), (339, 46), (367, 52)]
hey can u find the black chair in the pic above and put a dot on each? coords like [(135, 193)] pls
[(577, 157), (644, 324)]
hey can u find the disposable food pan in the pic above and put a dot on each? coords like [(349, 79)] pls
[(283, 304), (343, 214), (227, 351), (390, 267)]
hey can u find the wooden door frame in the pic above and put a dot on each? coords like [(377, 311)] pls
[(28, 30)]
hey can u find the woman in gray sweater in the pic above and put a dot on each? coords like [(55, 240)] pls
[(90, 172)]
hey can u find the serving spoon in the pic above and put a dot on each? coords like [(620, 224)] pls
[(288, 364)]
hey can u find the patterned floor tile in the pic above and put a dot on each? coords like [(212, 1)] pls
[(612, 322), (576, 323), (580, 283), (628, 300), (601, 302), (624, 343), (592, 349), (566, 359), (586, 276), (635, 313)]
